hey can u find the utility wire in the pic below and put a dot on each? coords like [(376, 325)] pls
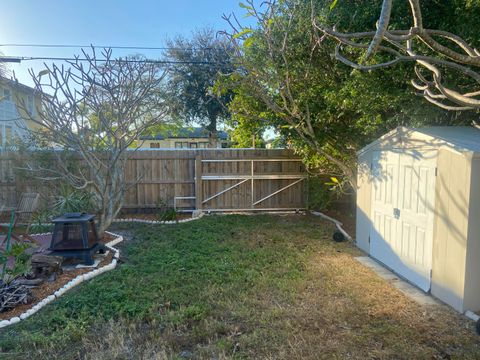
[(13, 59), (113, 47)]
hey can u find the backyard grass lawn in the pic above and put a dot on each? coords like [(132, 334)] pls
[(239, 287)]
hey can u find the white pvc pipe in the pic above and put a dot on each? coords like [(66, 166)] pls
[(337, 223)]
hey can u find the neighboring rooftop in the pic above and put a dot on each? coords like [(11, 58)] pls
[(186, 133), (15, 83)]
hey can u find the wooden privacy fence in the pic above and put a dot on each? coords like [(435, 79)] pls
[(208, 179)]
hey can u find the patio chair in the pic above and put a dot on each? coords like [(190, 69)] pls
[(23, 217)]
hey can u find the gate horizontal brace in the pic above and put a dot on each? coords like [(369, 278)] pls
[(276, 192), (255, 177), (224, 191)]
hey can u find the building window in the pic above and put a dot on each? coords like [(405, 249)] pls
[(8, 136), (178, 145), (224, 145), (7, 95), (193, 145), (30, 103), (154, 145), (203, 145), (185, 144)]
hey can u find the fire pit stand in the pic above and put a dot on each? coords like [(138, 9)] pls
[(75, 236)]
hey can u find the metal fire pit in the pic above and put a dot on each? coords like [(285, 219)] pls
[(75, 236)]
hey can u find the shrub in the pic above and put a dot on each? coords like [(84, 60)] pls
[(166, 212), (70, 200)]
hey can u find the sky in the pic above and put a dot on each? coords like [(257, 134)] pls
[(101, 22)]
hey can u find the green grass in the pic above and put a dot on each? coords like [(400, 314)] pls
[(180, 276), (238, 287)]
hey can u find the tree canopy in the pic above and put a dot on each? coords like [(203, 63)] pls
[(326, 111), (437, 37), (199, 61)]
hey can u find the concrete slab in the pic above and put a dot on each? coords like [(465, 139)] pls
[(405, 287)]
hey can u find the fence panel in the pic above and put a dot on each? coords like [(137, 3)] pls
[(229, 179)]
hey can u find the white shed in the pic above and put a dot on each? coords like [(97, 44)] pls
[(418, 209)]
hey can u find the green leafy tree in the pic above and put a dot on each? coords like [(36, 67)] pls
[(197, 63), (325, 110)]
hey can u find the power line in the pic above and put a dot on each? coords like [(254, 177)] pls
[(18, 59), (113, 47)]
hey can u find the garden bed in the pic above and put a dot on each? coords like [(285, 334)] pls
[(70, 276), (48, 288)]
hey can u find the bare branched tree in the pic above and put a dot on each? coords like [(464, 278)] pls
[(93, 111), (427, 48)]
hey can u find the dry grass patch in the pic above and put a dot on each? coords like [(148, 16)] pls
[(346, 311)]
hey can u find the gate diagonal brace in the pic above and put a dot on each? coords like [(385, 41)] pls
[(224, 191), (278, 191)]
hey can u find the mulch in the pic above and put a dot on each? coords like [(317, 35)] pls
[(48, 288)]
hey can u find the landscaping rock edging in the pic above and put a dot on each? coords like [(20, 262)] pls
[(157, 222), (71, 284)]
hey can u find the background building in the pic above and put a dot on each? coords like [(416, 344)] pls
[(18, 105), (185, 138)]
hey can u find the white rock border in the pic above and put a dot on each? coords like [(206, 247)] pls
[(71, 284), (337, 223), (156, 222)]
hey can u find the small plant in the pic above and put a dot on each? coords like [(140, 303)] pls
[(21, 261), (12, 294), (70, 200), (42, 220), (166, 212), (169, 215)]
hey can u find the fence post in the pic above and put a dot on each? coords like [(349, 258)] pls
[(198, 183)]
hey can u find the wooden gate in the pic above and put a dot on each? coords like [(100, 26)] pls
[(249, 184)]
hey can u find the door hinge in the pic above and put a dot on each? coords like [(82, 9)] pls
[(436, 171), (430, 273), (369, 239)]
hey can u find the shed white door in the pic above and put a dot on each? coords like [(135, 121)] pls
[(403, 197)]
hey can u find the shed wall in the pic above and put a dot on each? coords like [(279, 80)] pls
[(451, 227), (472, 274), (364, 199)]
